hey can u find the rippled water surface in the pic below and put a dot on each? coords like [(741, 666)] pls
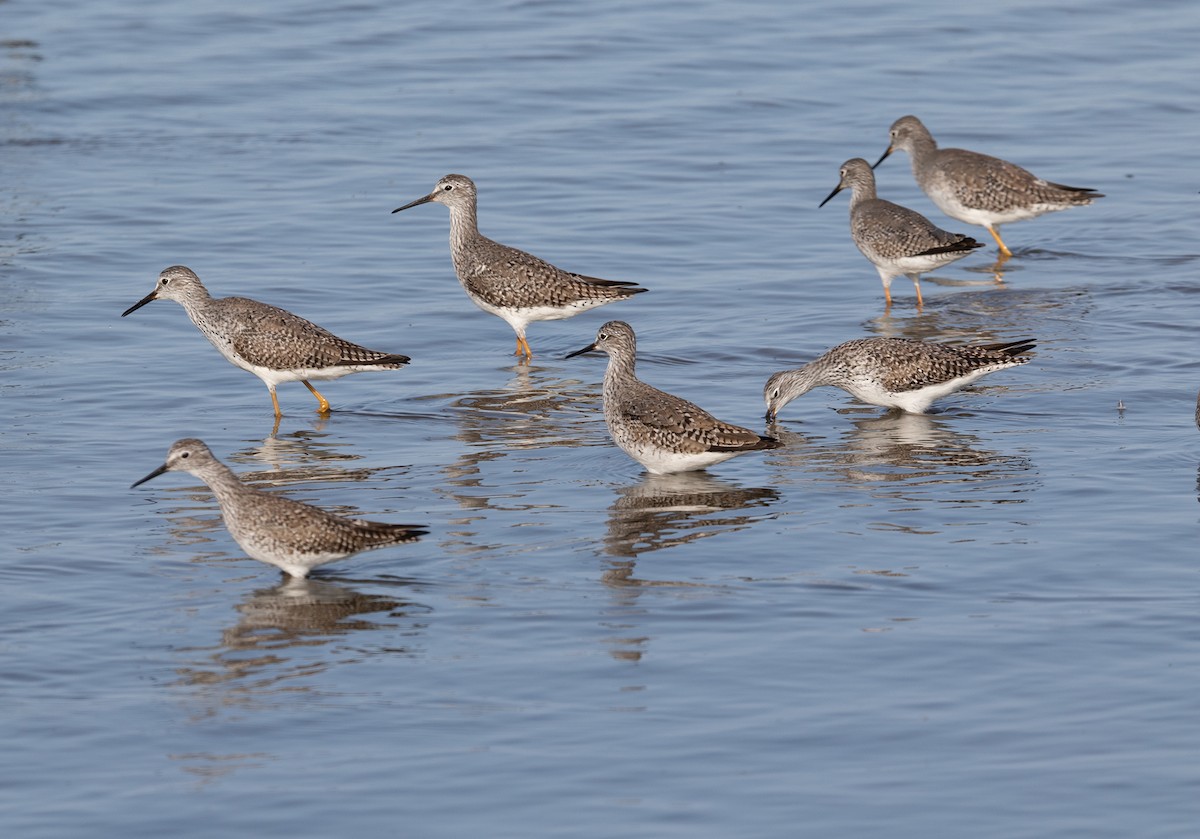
[(977, 623)]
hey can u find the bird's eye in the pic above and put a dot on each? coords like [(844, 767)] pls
[(185, 455), (603, 336), (775, 393), (447, 187), (164, 281)]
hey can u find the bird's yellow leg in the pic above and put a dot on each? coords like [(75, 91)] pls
[(1004, 251), (523, 347), (917, 286), (887, 295), (322, 402), (275, 402)]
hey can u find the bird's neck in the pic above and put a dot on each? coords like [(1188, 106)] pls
[(196, 302), (620, 368), (221, 480), (860, 193), (814, 374), (463, 226), (921, 148)]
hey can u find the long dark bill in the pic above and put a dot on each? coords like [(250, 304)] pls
[(836, 190), (424, 200), (153, 474), (151, 296), (588, 348)]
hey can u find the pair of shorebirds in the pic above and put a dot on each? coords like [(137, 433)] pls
[(661, 431), (968, 186)]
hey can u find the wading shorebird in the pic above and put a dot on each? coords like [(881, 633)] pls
[(510, 283), (899, 241), (662, 432), (270, 342), (291, 535), (894, 372), (978, 189)]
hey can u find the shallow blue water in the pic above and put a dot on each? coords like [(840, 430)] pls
[(980, 623)]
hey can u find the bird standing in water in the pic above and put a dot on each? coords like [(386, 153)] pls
[(510, 283)]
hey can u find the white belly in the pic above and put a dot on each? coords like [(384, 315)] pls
[(518, 319), (659, 461), (914, 401)]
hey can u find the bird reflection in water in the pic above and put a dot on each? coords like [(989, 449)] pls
[(312, 456), (987, 316), (281, 638), (986, 322), (515, 421), (995, 276), (912, 456), (311, 444), (664, 511)]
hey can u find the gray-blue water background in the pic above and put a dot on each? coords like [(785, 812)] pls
[(981, 623)]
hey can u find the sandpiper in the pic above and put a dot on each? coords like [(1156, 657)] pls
[(272, 343), (899, 241), (279, 531), (509, 283), (978, 189), (894, 372), (662, 432)]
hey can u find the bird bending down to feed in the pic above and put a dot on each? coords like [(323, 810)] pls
[(510, 283), (896, 239), (662, 432), (894, 372), (272, 343), (279, 531), (976, 188)]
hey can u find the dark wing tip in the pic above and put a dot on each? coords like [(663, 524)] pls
[(382, 360), (966, 243), (628, 285), (393, 532), (1085, 191), (749, 446), (1012, 348)]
